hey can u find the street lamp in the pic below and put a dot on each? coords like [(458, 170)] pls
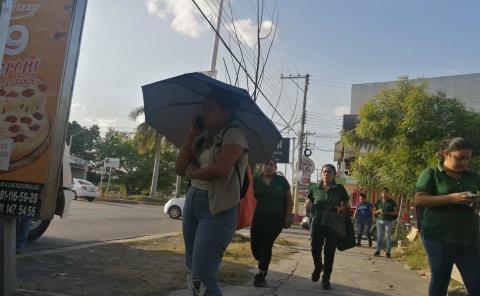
[(75, 134)]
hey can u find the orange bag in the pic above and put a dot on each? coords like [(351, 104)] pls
[(247, 204)]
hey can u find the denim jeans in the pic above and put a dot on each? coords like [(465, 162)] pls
[(363, 226), (384, 228), (22, 230), (206, 237), (442, 256)]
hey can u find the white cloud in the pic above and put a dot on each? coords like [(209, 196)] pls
[(185, 17), (103, 123), (339, 111), (247, 30), (77, 107)]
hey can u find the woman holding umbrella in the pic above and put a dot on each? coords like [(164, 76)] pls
[(214, 155)]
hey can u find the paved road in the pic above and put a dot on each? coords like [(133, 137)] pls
[(98, 221)]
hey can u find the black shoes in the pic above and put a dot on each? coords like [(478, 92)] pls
[(326, 285), (388, 255), (259, 280), (316, 275), (376, 254)]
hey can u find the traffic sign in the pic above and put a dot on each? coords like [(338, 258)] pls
[(112, 162), (308, 166)]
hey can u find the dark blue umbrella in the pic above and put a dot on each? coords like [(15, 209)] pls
[(171, 104)]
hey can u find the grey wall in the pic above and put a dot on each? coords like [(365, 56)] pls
[(465, 88)]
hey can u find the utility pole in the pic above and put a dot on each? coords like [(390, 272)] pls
[(212, 73), (158, 155), (213, 62), (301, 137)]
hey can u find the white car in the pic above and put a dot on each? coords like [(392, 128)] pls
[(174, 207), (83, 188)]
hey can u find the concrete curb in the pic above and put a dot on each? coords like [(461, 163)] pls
[(131, 202), (95, 244)]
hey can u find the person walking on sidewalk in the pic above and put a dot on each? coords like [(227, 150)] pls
[(450, 225), (386, 212), (322, 197), (272, 213), (363, 219), (214, 156)]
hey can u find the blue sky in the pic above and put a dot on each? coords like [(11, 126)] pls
[(129, 43)]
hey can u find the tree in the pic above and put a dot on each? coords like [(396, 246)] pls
[(146, 138), (405, 125), (84, 140)]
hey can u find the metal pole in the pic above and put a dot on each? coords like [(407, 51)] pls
[(178, 186), (213, 63), (109, 176), (302, 126), (8, 258), (101, 182)]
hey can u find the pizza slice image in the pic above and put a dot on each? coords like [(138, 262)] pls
[(23, 119)]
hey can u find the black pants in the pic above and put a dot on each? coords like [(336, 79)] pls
[(263, 232), (321, 239)]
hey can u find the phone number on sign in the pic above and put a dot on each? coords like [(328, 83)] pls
[(17, 210), (19, 196)]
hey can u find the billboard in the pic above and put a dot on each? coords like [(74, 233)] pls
[(36, 79), (281, 154)]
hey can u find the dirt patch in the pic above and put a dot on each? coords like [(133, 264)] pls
[(153, 267)]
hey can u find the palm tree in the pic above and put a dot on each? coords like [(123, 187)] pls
[(146, 138)]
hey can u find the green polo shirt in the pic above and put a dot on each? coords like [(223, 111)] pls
[(388, 205), (270, 197), (335, 196), (452, 223)]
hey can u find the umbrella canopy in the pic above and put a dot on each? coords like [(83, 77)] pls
[(171, 104)]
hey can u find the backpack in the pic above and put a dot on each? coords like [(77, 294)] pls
[(246, 182)]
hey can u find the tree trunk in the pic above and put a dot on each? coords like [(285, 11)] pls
[(158, 155)]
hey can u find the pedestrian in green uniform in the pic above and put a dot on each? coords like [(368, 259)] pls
[(386, 211), (272, 213), (325, 196), (449, 227)]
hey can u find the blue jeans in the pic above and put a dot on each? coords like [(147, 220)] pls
[(384, 228), (442, 256), (22, 230), (363, 226), (206, 237)]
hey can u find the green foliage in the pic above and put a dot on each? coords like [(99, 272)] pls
[(402, 128), (84, 140)]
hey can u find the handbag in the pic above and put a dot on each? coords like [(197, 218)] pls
[(247, 205), (348, 241), (334, 222)]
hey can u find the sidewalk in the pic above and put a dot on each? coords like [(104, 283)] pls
[(356, 272)]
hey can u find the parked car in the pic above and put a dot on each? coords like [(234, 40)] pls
[(174, 207), (85, 189)]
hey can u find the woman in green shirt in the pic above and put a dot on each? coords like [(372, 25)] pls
[(272, 213), (449, 225), (325, 196)]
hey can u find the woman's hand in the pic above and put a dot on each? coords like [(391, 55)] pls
[(308, 206), (460, 198), (190, 168), (288, 221)]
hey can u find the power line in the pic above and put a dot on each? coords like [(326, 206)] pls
[(237, 60)]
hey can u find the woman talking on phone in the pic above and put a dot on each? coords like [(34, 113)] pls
[(214, 156), (449, 225)]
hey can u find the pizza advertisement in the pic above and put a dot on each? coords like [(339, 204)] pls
[(30, 81)]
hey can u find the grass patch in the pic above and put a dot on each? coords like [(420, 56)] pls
[(285, 242), (414, 256)]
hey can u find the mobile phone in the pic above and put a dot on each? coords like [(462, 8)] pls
[(199, 123)]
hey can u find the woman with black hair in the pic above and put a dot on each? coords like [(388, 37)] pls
[(449, 226), (214, 155), (325, 196), (272, 213)]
